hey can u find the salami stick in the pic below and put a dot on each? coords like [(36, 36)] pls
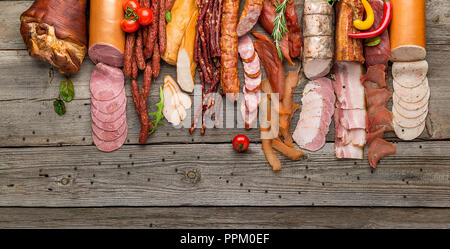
[(127, 62), (152, 31), (156, 61), (162, 28), (134, 68), (138, 50), (148, 74), (169, 4)]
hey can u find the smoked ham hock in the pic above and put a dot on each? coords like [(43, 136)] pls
[(55, 31)]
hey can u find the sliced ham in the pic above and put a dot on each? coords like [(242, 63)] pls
[(108, 146), (378, 149), (106, 82), (108, 136), (110, 106), (315, 117), (108, 117), (109, 126)]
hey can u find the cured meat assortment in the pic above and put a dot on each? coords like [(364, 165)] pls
[(252, 79), (315, 118), (318, 20), (108, 107), (410, 100)]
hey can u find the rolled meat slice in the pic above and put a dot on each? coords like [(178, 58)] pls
[(106, 37)]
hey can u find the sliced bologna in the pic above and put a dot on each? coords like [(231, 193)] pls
[(108, 117), (415, 112), (109, 135), (411, 95), (110, 106), (110, 126), (106, 82), (411, 106), (108, 146), (405, 133), (409, 74), (408, 122)]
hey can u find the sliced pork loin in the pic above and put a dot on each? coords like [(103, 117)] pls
[(108, 108), (315, 117), (350, 114)]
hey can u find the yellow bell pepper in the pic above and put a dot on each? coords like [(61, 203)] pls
[(370, 17)]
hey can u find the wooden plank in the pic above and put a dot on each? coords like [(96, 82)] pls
[(226, 218), (213, 174)]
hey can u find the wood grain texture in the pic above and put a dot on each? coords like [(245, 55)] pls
[(213, 174), (226, 218)]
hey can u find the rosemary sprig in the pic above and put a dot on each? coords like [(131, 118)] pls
[(279, 25)]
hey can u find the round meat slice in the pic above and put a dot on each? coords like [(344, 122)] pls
[(252, 84), (252, 100), (106, 82), (253, 69), (111, 126), (411, 106), (408, 122), (109, 135), (248, 117), (109, 106), (246, 49), (411, 95), (108, 146), (409, 74), (316, 68), (409, 113), (408, 133), (108, 117)]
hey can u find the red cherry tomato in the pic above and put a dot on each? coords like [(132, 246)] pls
[(133, 4), (241, 142), (129, 25), (145, 16)]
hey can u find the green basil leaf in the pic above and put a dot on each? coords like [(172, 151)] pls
[(168, 16), (67, 90), (374, 41), (59, 106)]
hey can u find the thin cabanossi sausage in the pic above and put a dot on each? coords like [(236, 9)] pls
[(127, 61), (138, 50), (162, 28)]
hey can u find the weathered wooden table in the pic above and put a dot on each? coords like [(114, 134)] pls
[(52, 176)]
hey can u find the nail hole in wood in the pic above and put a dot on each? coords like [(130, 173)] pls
[(163, 160), (48, 140), (33, 132), (174, 152), (99, 163), (265, 191), (279, 196), (84, 139), (128, 173), (50, 189), (241, 184), (39, 113), (10, 185), (23, 139), (357, 178), (167, 134), (131, 155)]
